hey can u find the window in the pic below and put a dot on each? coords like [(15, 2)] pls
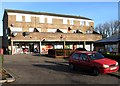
[(18, 18), (81, 23), (87, 23), (39, 29), (71, 22), (95, 56), (76, 56), (64, 30), (51, 30), (49, 20), (65, 21), (42, 19), (83, 57), (27, 18), (31, 29), (15, 29), (88, 31)]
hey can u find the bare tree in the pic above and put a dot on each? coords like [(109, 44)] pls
[(108, 28)]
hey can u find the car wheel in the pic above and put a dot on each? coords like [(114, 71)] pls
[(96, 72), (72, 67)]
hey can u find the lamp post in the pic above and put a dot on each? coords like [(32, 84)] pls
[(43, 39)]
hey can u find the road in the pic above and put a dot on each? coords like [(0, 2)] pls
[(36, 69)]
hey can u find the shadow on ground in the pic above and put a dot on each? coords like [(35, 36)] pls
[(62, 67), (114, 75)]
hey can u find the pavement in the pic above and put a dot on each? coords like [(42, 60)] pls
[(37, 69)]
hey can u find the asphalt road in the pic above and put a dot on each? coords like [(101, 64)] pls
[(36, 69)]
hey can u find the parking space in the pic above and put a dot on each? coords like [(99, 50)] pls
[(37, 69)]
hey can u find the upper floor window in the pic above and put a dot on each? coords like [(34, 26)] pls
[(71, 22), (16, 29), (42, 19), (81, 23), (87, 23), (49, 20), (88, 31), (51, 30), (27, 18), (65, 21), (18, 18)]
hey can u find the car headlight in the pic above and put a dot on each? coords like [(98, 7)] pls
[(106, 66), (116, 63)]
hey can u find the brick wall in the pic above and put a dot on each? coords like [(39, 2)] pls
[(56, 36), (56, 23)]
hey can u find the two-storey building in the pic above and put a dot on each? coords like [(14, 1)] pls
[(42, 31)]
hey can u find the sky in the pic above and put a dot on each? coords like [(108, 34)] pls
[(100, 12)]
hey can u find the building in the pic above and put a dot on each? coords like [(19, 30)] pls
[(0, 41), (27, 30), (109, 45), (119, 10)]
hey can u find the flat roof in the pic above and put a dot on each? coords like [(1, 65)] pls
[(113, 38)]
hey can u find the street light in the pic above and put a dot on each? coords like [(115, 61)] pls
[(43, 39)]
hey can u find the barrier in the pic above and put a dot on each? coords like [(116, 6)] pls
[(59, 53)]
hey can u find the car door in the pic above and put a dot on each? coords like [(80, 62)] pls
[(75, 59), (84, 62)]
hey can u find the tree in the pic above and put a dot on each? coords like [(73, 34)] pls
[(108, 28)]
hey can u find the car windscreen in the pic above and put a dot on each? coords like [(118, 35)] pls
[(95, 56)]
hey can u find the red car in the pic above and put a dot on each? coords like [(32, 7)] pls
[(93, 61)]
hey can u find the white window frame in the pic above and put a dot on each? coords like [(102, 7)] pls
[(87, 23), (82, 23), (64, 30), (71, 22), (65, 21), (39, 29), (27, 18), (16, 29), (31, 29), (51, 30), (19, 18), (42, 19), (49, 20)]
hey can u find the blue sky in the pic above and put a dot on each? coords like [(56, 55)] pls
[(100, 12)]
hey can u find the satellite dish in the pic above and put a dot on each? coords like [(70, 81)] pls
[(14, 34)]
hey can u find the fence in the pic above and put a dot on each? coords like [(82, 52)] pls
[(59, 53)]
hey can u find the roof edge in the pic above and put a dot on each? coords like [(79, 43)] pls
[(46, 13)]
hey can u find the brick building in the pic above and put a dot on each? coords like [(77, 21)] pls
[(42, 31), (0, 41)]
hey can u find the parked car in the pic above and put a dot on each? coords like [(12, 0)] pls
[(93, 61), (80, 49)]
